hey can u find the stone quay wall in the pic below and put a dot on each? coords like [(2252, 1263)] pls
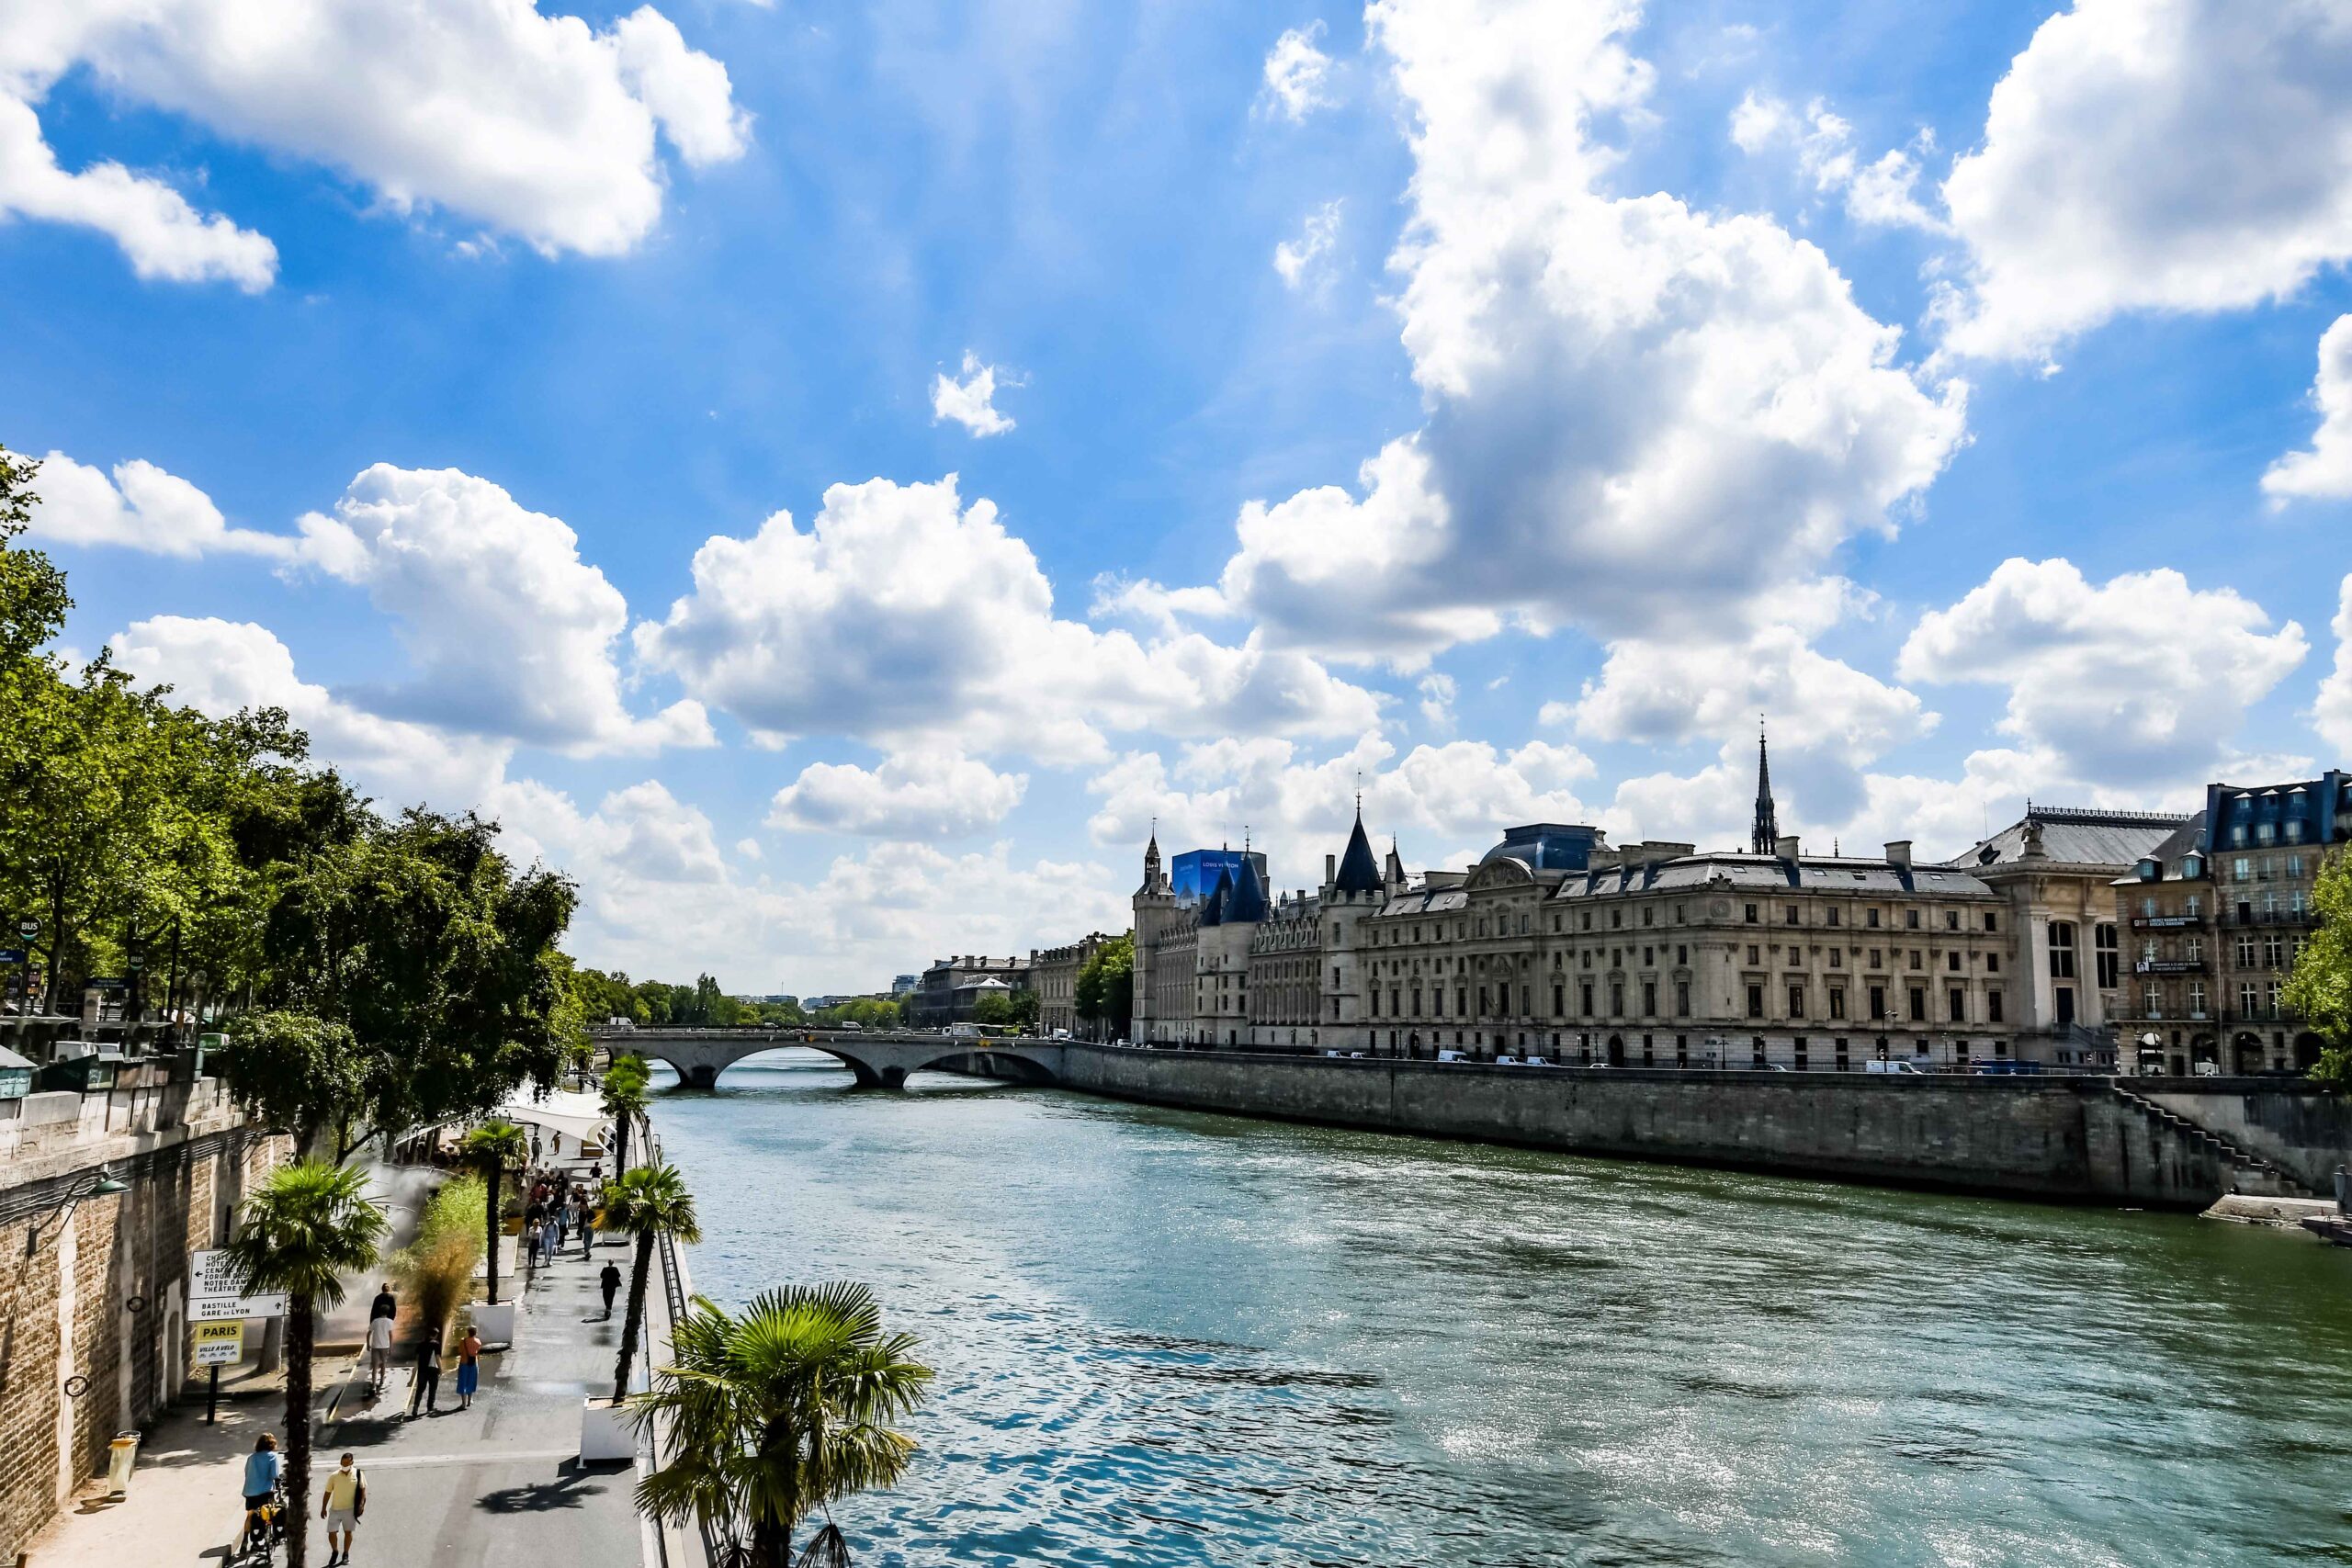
[(93, 1289), (2064, 1139)]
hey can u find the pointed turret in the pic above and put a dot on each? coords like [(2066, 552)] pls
[(1761, 837), (1246, 904), (1394, 870), (1213, 912), (1152, 881), (1359, 873)]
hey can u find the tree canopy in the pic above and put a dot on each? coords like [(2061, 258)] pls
[(2320, 988), (1106, 982)]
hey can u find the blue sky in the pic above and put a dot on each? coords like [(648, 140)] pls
[(1954, 389)]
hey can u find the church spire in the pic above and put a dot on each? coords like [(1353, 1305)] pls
[(1768, 821), (1152, 880)]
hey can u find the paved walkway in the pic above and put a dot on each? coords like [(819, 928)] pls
[(496, 1486)]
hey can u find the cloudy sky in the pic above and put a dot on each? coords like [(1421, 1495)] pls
[(828, 474)]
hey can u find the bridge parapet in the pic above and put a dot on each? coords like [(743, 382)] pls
[(879, 1059)]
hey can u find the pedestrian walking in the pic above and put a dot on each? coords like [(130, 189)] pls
[(547, 1238), (425, 1380), (609, 1282), (562, 1224), (469, 1367), (587, 1226), (386, 1305), (344, 1499), (380, 1352)]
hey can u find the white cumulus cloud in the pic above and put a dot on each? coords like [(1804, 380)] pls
[(1641, 415), (160, 233), (1880, 192), (2324, 471), (141, 508), (512, 633), (2142, 679), (970, 402), (902, 616), (2154, 155), (913, 794), (536, 125), (1315, 238), (220, 667), (2332, 714), (1297, 73)]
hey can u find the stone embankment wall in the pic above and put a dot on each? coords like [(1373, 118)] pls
[(2069, 1139), (95, 1290)]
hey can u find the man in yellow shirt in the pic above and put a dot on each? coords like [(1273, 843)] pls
[(345, 1495)]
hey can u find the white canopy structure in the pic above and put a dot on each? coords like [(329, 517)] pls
[(577, 1116)]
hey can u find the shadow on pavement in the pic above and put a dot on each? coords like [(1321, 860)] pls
[(574, 1485)]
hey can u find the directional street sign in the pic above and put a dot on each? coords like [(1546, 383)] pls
[(219, 1343), (215, 1295)]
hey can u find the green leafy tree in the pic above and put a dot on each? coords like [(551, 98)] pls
[(296, 1074), (995, 1008), (779, 1413), (646, 1203), (2320, 988), (1106, 985), (494, 1149), (441, 960), (305, 1229)]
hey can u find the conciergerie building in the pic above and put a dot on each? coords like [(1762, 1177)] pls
[(1560, 944)]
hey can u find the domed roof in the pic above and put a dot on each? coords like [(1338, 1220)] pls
[(1545, 846)]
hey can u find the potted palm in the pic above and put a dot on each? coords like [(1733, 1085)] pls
[(307, 1227), (494, 1148), (646, 1205), (776, 1414)]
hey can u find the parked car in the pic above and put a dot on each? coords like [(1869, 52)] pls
[(1536, 1061), (1356, 1055)]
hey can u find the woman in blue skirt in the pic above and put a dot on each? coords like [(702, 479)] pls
[(469, 1367)]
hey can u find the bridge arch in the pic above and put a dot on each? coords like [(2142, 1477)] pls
[(876, 1060)]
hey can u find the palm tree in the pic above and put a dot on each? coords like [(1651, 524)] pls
[(494, 1148), (306, 1227), (626, 1082), (779, 1411), (649, 1202)]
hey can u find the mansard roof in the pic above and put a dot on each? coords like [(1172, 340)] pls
[(2071, 836), (1824, 874), (1359, 873)]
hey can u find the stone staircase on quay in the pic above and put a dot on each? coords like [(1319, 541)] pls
[(2247, 1173)]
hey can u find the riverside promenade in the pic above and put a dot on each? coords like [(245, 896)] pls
[(497, 1487)]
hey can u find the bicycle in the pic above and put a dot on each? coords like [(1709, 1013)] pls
[(265, 1528)]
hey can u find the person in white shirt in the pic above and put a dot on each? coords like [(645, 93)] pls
[(380, 1352)]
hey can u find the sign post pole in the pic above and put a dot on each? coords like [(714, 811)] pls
[(212, 1395)]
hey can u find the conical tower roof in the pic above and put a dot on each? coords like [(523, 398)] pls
[(1213, 912), (1246, 902), (1359, 873)]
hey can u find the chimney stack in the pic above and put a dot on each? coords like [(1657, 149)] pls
[(1330, 869), (1898, 853), (1785, 847)]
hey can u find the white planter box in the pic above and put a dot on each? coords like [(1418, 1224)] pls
[(606, 1433), (495, 1323)]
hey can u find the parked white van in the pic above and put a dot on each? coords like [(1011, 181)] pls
[(1909, 1068), (1451, 1056)]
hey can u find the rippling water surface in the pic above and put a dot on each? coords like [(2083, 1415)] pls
[(1166, 1339)]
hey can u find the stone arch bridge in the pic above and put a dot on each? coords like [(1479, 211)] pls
[(880, 1059)]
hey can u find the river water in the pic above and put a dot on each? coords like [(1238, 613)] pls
[(1168, 1338)]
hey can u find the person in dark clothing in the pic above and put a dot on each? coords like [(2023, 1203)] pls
[(425, 1385), (609, 1282), (386, 1305)]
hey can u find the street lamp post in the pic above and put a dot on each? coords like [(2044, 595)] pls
[(27, 929), (138, 1006)]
